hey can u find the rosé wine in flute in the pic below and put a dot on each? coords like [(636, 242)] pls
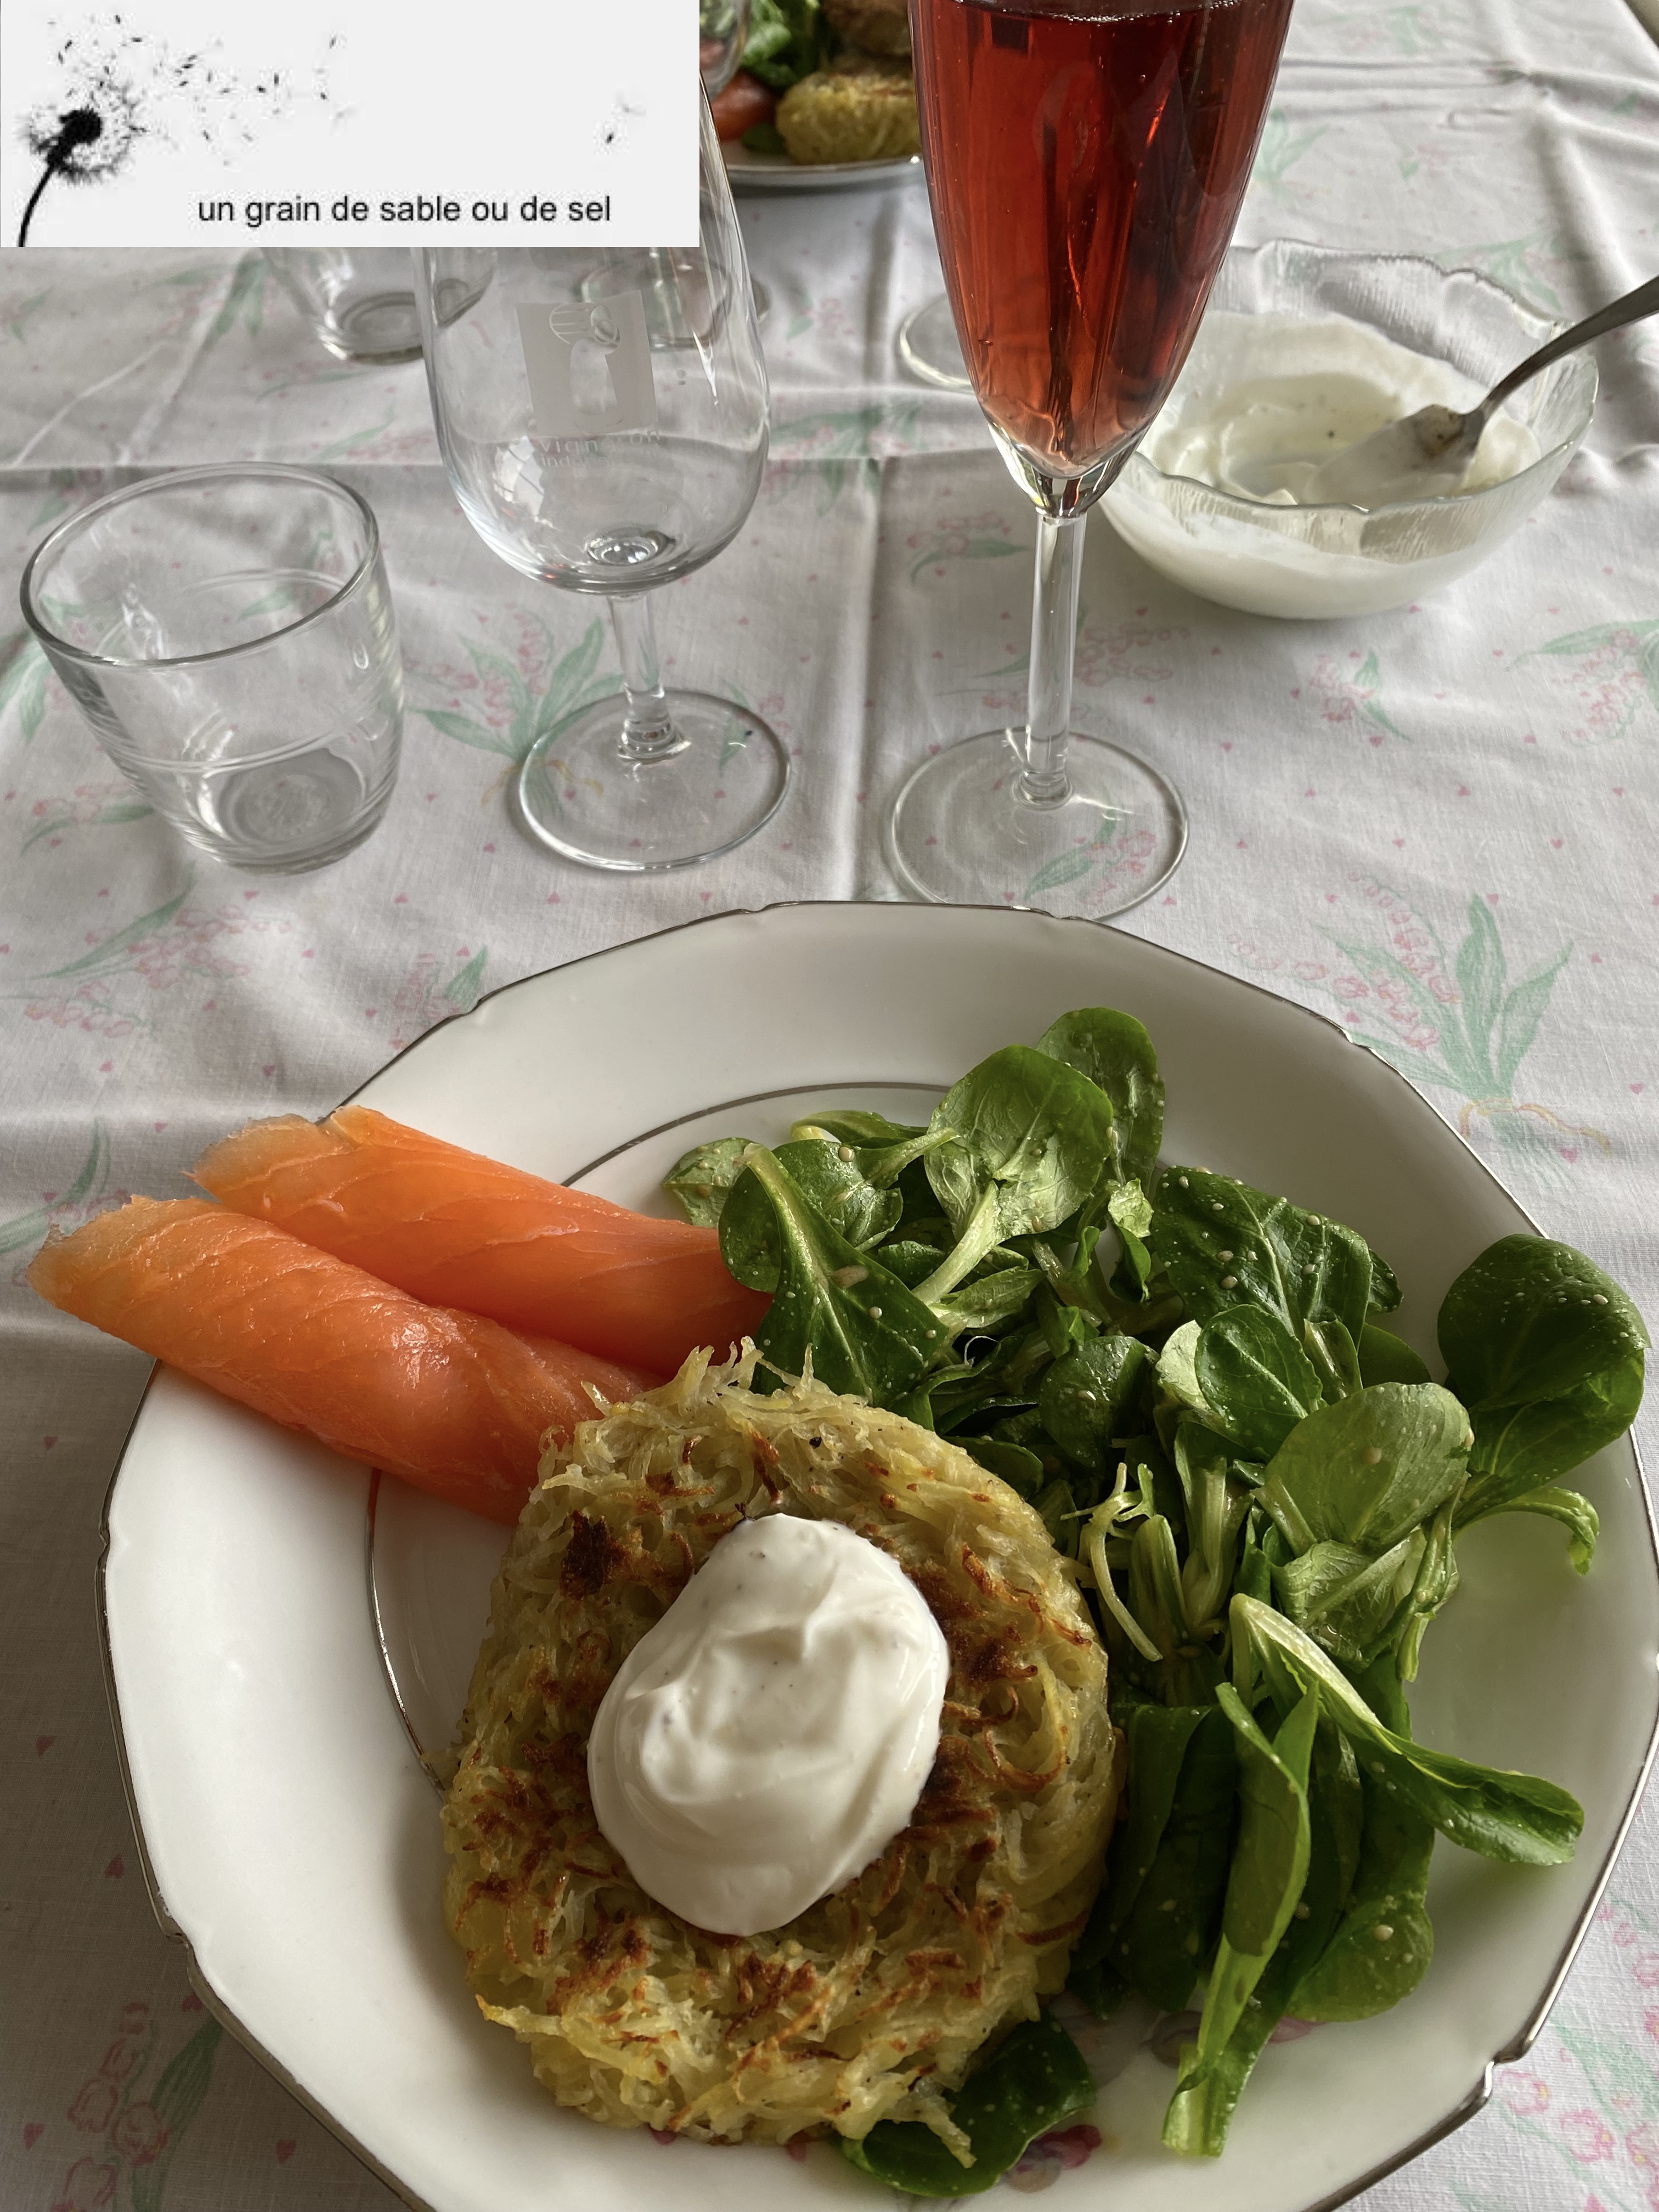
[(1086, 160)]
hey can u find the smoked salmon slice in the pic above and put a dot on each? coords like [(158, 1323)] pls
[(451, 1402), (458, 1230)]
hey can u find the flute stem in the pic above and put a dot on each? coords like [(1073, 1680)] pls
[(1043, 780), (648, 731)]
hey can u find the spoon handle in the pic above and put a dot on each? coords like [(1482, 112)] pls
[(1632, 308)]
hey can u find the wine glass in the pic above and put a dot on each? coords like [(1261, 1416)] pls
[(723, 32), (929, 348), (607, 439), (1085, 160)]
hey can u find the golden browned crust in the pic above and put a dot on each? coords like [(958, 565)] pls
[(872, 2002), (859, 109)]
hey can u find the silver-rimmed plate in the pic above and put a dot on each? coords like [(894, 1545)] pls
[(290, 1834), (776, 172)]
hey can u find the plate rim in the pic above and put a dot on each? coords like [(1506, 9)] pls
[(778, 173), (1518, 2045)]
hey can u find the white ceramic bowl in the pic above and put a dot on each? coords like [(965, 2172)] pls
[(1317, 561)]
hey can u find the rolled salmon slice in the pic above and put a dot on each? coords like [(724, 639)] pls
[(458, 1230), (451, 1402)]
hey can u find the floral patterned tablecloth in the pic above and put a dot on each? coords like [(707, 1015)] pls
[(1437, 825)]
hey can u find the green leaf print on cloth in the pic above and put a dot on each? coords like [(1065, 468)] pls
[(1281, 148), (1460, 1024), (114, 951), (509, 701), (843, 447), (428, 995), (111, 989), (130, 2119), (91, 806), (244, 302), (86, 1190), (25, 671), (1518, 264), (1616, 680)]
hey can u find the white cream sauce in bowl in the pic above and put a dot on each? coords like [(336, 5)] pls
[(1303, 353), (1273, 398)]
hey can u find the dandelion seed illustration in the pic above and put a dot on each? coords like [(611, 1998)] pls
[(117, 87), (614, 127), (87, 136)]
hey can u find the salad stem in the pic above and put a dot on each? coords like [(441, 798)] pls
[(1105, 1517)]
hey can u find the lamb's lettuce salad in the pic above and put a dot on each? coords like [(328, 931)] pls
[(1193, 1383)]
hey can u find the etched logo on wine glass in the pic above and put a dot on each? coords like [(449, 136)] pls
[(589, 366)]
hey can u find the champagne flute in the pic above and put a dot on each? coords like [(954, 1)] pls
[(1085, 161), (606, 439)]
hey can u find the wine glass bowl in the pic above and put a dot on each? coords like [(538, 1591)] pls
[(1085, 161), (600, 477), (722, 34), (606, 437)]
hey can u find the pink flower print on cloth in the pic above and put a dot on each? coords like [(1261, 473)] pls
[(1348, 694), (138, 2134), (1611, 673), (88, 2186), (95, 2108), (514, 685)]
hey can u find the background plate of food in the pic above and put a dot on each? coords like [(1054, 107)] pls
[(291, 1834), (825, 98)]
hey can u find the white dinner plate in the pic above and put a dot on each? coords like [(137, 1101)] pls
[(776, 172), (291, 1837)]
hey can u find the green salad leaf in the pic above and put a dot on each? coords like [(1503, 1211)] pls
[(1261, 1487), (1531, 1319), (1384, 1359), (835, 1307), (1027, 1137), (701, 1180), (1264, 1885), (1088, 1396), (1549, 1354), (1368, 1469), (1035, 2080), (1255, 1376), (1224, 1243), (787, 40), (1114, 1052), (1517, 1817)]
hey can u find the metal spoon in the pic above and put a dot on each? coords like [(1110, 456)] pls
[(1428, 454)]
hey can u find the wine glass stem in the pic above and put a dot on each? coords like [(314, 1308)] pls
[(648, 731), (1043, 780)]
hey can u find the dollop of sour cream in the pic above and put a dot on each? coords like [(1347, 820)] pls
[(769, 1737)]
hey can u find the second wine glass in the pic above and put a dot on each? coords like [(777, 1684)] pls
[(605, 438)]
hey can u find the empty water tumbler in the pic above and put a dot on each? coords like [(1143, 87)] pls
[(228, 633)]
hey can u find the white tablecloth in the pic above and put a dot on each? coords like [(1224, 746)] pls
[(1371, 801)]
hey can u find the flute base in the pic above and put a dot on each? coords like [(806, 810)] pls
[(581, 796), (963, 834)]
